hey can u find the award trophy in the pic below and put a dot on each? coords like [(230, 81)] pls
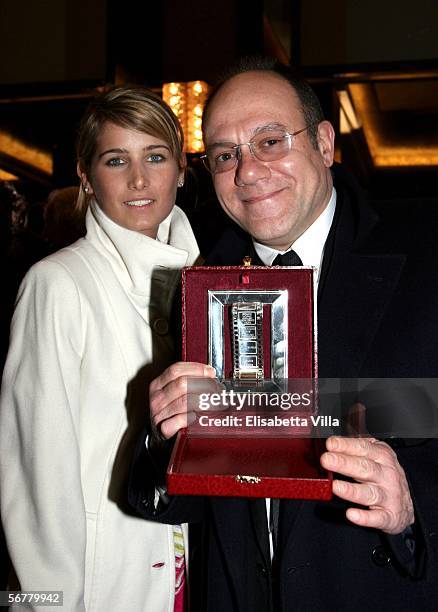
[(247, 342), (247, 333), (256, 326)]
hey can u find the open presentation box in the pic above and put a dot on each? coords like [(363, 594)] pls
[(257, 327)]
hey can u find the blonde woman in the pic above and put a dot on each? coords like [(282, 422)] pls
[(90, 331)]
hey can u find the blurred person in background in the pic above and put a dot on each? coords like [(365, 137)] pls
[(20, 248), (64, 218)]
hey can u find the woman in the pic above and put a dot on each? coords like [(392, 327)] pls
[(89, 332)]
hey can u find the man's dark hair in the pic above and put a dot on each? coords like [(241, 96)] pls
[(310, 104)]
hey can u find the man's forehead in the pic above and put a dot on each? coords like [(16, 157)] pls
[(256, 81), (249, 101)]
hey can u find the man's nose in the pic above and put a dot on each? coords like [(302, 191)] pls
[(249, 169), (138, 177)]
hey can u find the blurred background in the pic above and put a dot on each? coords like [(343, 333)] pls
[(373, 64)]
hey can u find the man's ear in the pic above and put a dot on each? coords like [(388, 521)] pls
[(85, 183), (326, 142)]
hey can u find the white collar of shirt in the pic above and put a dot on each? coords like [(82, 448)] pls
[(310, 245)]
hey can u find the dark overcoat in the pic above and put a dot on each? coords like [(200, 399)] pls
[(377, 317)]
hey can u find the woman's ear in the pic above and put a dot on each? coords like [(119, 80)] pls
[(182, 169), (85, 183)]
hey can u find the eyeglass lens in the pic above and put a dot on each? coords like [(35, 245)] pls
[(265, 146)]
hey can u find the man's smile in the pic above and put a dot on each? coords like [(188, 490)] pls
[(264, 196)]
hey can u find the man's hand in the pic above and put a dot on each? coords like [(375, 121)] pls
[(169, 402), (381, 482)]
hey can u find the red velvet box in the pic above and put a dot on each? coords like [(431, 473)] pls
[(252, 462)]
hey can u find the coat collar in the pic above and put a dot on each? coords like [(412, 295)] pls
[(358, 279), (147, 269)]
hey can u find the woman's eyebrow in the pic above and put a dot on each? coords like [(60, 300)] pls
[(126, 152), (112, 151), (157, 146)]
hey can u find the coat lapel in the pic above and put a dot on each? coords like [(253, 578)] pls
[(357, 292), (356, 285), (350, 308)]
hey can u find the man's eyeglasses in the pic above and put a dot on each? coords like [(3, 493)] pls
[(267, 146)]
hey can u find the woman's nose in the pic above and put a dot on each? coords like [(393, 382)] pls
[(138, 178)]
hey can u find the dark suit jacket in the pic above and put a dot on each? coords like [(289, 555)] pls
[(377, 317)]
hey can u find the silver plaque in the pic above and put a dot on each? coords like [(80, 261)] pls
[(247, 340), (247, 336)]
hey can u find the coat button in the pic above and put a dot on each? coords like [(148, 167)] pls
[(160, 326), (381, 556), (262, 569)]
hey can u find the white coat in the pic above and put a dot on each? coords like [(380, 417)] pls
[(88, 335)]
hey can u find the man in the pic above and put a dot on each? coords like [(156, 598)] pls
[(270, 153)]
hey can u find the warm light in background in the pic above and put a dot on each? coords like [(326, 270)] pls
[(13, 147), (7, 176), (187, 101), (174, 94), (359, 110), (348, 119)]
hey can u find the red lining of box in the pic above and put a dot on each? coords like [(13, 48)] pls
[(286, 467)]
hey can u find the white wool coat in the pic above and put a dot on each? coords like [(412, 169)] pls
[(89, 333)]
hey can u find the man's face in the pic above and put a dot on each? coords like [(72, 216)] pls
[(274, 201)]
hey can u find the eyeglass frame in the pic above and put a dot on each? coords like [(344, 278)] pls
[(250, 144)]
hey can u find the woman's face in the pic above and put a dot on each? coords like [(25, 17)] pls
[(134, 178)]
